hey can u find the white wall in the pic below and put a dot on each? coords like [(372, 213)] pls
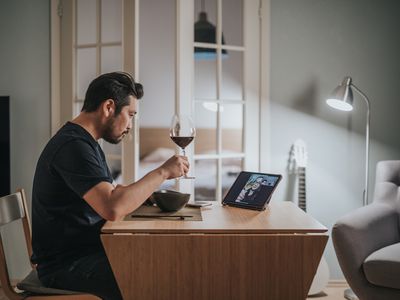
[(314, 43), (25, 77)]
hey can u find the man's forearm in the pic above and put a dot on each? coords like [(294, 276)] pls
[(114, 203), (126, 199)]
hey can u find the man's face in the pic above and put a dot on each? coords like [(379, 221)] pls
[(119, 126)]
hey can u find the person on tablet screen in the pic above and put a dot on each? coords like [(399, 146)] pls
[(74, 195), (243, 192), (254, 192), (251, 189)]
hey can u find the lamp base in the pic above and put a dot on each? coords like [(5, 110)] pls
[(349, 295)]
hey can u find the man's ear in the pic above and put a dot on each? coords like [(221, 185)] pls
[(108, 108)]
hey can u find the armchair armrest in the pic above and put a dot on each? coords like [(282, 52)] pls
[(358, 234), (367, 229)]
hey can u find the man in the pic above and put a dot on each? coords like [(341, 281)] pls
[(73, 195)]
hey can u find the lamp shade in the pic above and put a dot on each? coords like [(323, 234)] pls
[(205, 32), (342, 96)]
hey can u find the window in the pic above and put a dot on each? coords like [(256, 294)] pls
[(96, 38), (98, 50), (221, 97)]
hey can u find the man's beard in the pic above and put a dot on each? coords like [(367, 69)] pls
[(108, 133)]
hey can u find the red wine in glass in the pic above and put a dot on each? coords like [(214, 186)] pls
[(182, 141), (182, 133)]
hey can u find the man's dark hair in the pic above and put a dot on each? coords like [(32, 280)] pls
[(116, 86)]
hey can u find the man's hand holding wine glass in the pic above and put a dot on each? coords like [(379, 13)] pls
[(176, 166)]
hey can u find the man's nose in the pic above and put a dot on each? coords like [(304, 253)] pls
[(130, 124)]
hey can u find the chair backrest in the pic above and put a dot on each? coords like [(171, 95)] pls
[(13, 207), (387, 182)]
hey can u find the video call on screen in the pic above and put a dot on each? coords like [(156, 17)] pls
[(253, 189)]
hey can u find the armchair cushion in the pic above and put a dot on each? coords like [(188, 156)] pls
[(382, 267)]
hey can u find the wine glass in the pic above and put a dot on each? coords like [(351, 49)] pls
[(182, 133)]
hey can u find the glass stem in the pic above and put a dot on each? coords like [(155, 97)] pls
[(184, 153)]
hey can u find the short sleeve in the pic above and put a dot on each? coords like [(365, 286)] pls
[(81, 166)]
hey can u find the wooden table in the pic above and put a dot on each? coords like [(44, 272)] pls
[(232, 254)]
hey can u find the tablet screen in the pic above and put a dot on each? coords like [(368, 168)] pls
[(252, 190)]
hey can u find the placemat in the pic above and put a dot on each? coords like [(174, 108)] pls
[(154, 213)]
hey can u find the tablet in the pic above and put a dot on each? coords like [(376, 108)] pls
[(252, 190)]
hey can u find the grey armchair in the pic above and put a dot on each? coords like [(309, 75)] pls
[(367, 241)]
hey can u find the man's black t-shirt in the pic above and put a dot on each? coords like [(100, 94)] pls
[(64, 226)]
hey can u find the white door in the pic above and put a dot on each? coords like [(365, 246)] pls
[(156, 37)]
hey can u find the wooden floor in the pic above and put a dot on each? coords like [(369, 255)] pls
[(332, 292)]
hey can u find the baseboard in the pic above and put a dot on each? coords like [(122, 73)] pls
[(337, 283), (13, 282), (332, 282)]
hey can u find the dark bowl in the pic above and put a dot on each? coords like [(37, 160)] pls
[(168, 200)]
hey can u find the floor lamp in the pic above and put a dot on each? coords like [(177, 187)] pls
[(342, 99)]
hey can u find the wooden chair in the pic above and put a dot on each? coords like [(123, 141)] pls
[(13, 207)]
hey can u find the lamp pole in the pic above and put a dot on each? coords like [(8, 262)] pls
[(365, 195), (343, 100)]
